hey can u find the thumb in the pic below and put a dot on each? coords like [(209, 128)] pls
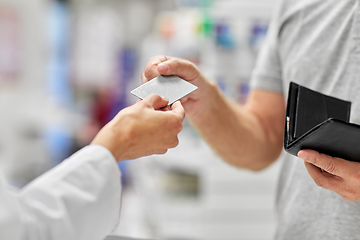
[(179, 67), (156, 102)]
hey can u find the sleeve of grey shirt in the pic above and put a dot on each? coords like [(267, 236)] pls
[(267, 74)]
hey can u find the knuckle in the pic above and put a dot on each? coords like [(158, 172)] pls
[(192, 65), (194, 70), (314, 160), (157, 57), (176, 63), (161, 57), (129, 116), (144, 104), (330, 167)]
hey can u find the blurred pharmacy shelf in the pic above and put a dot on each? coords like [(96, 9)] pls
[(190, 193), (72, 65), (23, 152)]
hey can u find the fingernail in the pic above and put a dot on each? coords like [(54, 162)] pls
[(302, 155), (165, 99), (163, 67)]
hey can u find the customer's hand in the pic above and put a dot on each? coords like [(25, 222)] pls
[(143, 129), (195, 101), (335, 174)]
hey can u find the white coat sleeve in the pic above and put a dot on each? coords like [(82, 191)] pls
[(77, 200)]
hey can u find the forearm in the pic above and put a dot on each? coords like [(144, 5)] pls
[(246, 136), (237, 133)]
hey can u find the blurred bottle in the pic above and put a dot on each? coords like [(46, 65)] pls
[(226, 50), (59, 133), (127, 61), (126, 65), (257, 36)]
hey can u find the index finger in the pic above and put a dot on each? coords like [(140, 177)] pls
[(151, 71), (179, 67), (336, 166)]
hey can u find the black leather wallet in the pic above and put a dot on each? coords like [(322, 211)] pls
[(321, 123)]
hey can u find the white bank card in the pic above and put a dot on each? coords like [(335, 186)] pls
[(171, 87)]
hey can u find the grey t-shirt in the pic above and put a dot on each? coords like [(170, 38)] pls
[(315, 43)]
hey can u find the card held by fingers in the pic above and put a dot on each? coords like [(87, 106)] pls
[(170, 87)]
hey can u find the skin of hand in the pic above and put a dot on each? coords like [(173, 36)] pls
[(143, 129), (335, 174), (248, 136), (162, 65)]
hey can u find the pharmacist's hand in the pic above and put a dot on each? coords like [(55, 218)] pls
[(335, 174), (143, 129), (162, 65)]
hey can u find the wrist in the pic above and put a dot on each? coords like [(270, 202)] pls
[(204, 105), (110, 138)]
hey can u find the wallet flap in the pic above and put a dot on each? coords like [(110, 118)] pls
[(332, 137), (310, 111), (321, 123), (307, 108)]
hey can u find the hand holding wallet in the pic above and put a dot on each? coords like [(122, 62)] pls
[(319, 122)]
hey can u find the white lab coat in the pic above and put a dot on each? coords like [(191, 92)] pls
[(77, 200)]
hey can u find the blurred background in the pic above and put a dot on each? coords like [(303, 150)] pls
[(67, 67)]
